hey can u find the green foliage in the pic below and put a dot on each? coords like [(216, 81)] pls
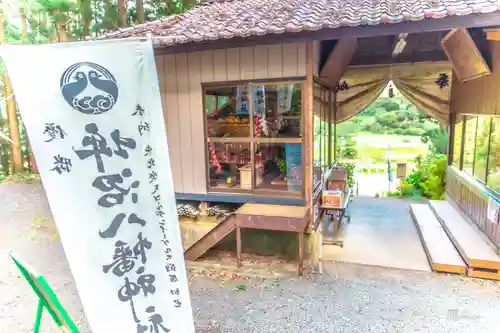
[(428, 179), (241, 287), (395, 116), (349, 152), (81, 19), (25, 177)]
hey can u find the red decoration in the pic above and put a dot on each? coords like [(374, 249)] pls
[(257, 126), (213, 154)]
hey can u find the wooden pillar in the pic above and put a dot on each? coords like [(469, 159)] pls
[(451, 135), (300, 252), (308, 128), (238, 245), (308, 149), (330, 119), (13, 126), (335, 126)]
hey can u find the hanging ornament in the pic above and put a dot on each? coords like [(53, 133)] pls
[(260, 125), (443, 80), (213, 154), (342, 85)]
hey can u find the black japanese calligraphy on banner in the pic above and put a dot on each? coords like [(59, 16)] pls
[(101, 155)]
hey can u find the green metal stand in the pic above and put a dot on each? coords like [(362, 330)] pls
[(38, 320), (46, 299)]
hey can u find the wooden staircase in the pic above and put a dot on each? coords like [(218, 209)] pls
[(215, 235)]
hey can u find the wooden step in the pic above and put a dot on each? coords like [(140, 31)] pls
[(477, 254), (213, 237), (442, 255)]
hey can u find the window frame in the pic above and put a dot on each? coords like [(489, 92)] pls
[(325, 103), (463, 121), (251, 139)]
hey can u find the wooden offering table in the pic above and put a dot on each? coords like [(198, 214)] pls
[(276, 218), (336, 217)]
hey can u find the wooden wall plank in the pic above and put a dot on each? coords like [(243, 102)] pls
[(260, 62), (185, 122), (246, 63), (233, 64), (316, 50), (207, 66), (198, 150), (301, 59), (290, 60), (220, 70), (275, 61), (169, 91)]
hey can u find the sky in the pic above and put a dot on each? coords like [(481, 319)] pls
[(11, 10)]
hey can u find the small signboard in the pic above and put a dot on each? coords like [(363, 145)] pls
[(493, 210), (465, 57)]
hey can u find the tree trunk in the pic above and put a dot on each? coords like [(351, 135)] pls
[(61, 32), (17, 157), (25, 39), (12, 123), (85, 17), (139, 7), (122, 13), (4, 145), (4, 151), (24, 19)]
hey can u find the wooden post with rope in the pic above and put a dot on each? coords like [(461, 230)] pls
[(12, 122)]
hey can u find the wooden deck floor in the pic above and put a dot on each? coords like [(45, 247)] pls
[(441, 253), (482, 261)]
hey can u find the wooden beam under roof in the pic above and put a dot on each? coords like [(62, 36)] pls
[(493, 34), (409, 57), (339, 60)]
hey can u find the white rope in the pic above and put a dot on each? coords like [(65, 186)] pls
[(8, 97)]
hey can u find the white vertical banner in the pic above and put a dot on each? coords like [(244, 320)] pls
[(285, 93), (259, 100), (94, 117), (242, 99)]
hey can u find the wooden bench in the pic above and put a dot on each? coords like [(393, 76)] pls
[(275, 218), (442, 255), (480, 258)]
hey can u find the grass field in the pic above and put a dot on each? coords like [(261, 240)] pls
[(373, 148)]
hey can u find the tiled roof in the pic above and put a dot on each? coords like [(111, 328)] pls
[(226, 19)]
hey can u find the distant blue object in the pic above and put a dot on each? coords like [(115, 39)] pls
[(389, 171)]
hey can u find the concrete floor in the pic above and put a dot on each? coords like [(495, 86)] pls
[(381, 233)]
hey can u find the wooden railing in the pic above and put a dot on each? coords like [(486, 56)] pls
[(473, 198)]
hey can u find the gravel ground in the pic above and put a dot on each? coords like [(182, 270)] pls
[(348, 298)]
